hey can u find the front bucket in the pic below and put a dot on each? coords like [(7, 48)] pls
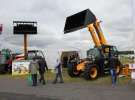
[(79, 21)]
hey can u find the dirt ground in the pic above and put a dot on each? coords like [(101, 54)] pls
[(18, 89)]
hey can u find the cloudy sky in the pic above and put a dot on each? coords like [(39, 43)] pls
[(116, 16)]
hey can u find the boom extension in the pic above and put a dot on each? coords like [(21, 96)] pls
[(94, 35), (100, 33)]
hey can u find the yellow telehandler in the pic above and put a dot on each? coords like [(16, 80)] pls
[(96, 64)]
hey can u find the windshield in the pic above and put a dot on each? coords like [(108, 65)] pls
[(114, 48), (93, 53)]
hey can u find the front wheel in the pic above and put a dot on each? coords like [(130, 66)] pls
[(72, 71), (91, 72)]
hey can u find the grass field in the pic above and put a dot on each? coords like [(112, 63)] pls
[(67, 79)]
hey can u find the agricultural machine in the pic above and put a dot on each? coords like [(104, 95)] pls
[(97, 62), (5, 60)]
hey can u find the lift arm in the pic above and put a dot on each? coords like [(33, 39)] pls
[(100, 33), (94, 35)]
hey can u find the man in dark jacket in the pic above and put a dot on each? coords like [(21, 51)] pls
[(112, 65), (42, 68)]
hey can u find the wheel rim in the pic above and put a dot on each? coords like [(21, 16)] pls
[(93, 72), (76, 72)]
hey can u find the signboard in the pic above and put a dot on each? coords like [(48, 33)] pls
[(20, 67), (24, 27)]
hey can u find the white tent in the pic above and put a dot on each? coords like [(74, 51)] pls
[(52, 53)]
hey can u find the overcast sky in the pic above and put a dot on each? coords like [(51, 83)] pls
[(116, 15)]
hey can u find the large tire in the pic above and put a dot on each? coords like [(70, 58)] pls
[(91, 72), (2, 69), (72, 72)]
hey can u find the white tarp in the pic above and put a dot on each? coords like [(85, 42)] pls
[(53, 53), (133, 74), (131, 66)]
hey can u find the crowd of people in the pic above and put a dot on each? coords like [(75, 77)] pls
[(71, 59), (36, 66)]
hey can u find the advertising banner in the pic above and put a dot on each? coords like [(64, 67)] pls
[(20, 67)]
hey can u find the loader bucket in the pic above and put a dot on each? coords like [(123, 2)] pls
[(79, 21)]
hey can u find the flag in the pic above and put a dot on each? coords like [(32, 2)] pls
[(0, 28)]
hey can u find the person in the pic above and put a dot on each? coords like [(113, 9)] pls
[(101, 61), (65, 61), (69, 60), (73, 60), (9, 62), (112, 69), (33, 69), (42, 68), (58, 69)]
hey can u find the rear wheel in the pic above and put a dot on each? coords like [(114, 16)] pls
[(91, 72), (72, 71)]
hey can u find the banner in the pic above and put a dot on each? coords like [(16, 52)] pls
[(20, 67)]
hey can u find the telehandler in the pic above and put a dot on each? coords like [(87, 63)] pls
[(96, 64)]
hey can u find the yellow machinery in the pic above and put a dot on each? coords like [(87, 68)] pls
[(96, 63)]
